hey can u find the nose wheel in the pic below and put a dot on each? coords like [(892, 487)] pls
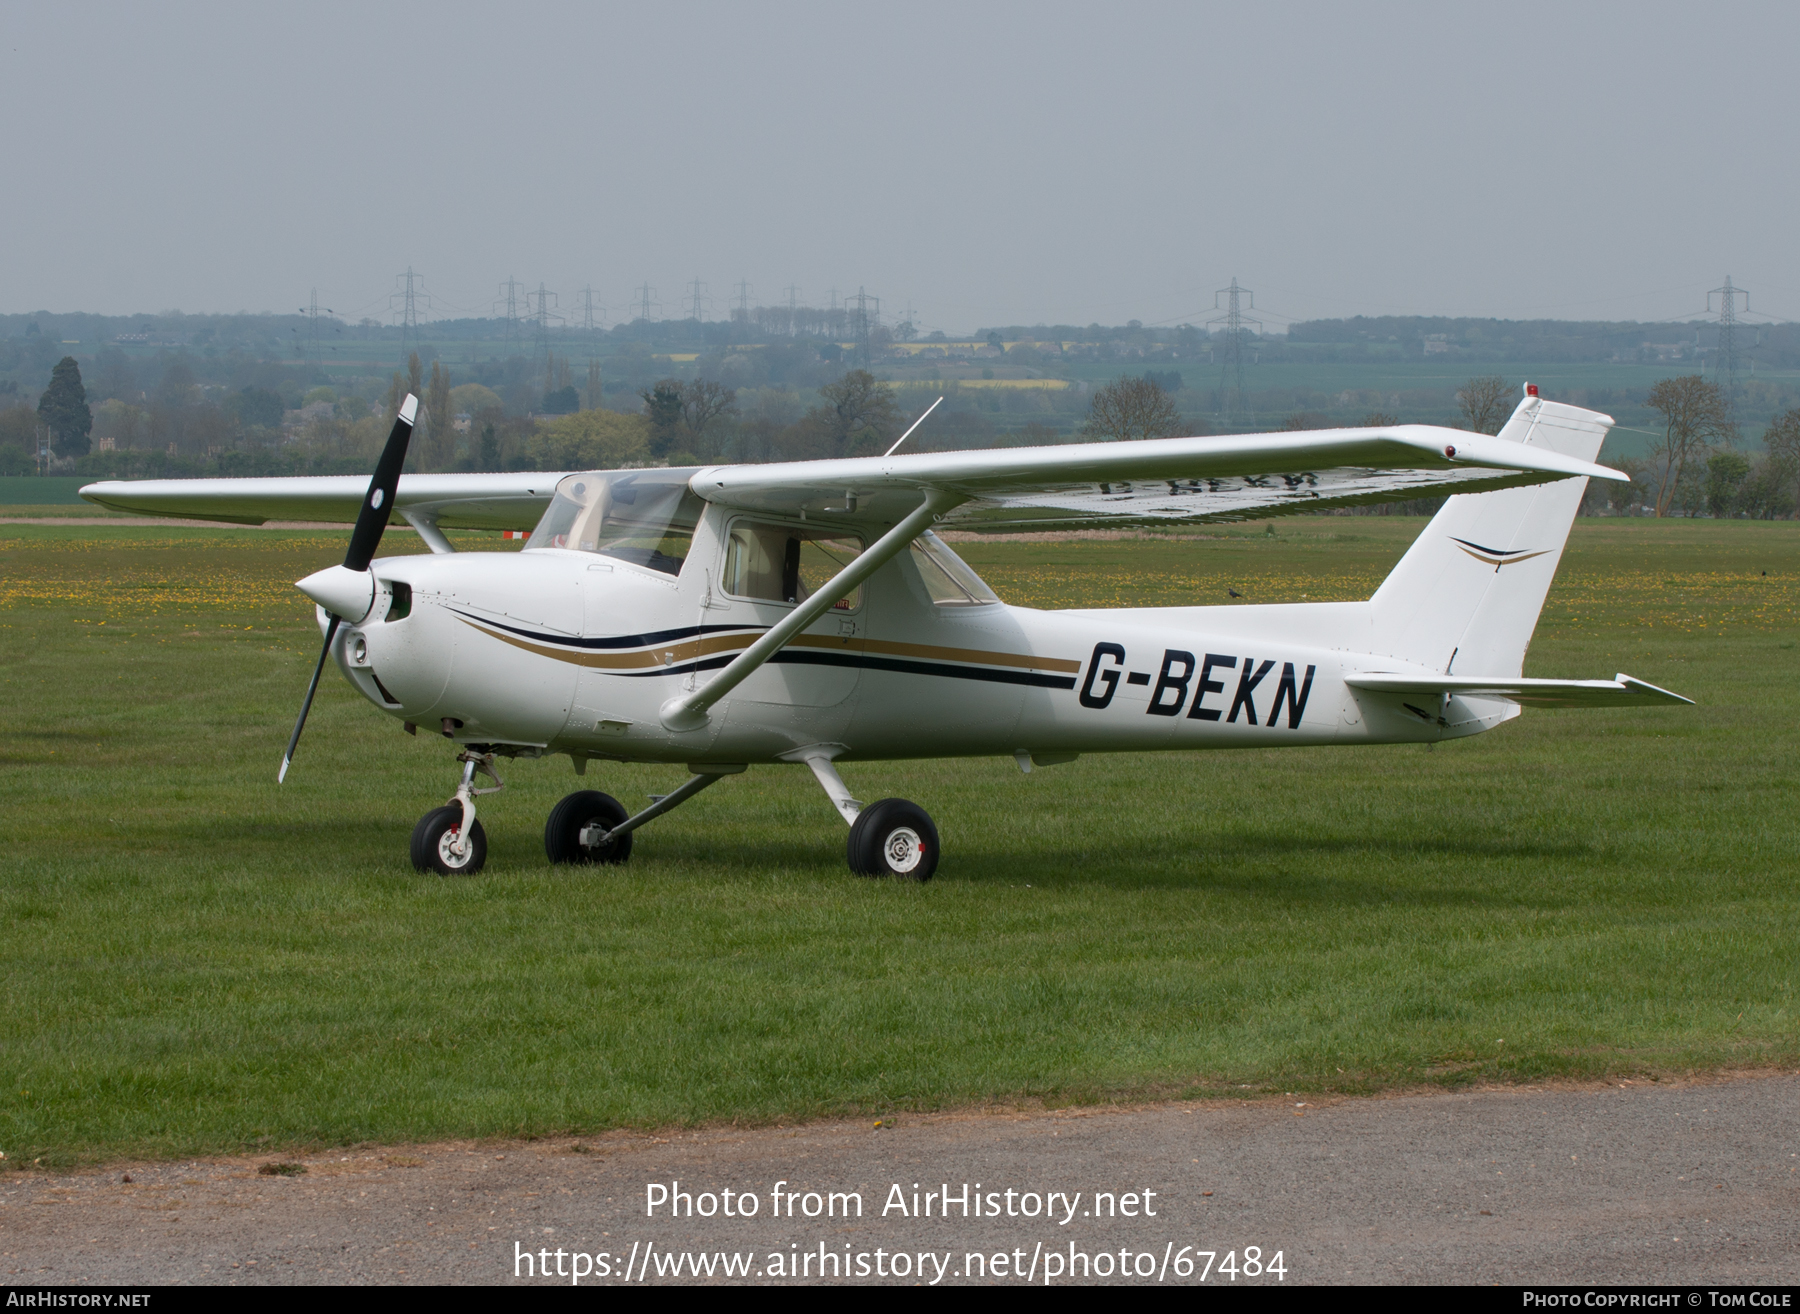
[(894, 837), (438, 844), (448, 840)]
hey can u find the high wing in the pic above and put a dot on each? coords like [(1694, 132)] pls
[(454, 501), (1238, 477), (1621, 691)]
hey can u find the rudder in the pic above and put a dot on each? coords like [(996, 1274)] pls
[(1466, 596)]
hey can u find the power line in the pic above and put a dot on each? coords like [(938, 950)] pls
[(541, 314), (1725, 362), (1231, 377), (589, 323), (861, 322), (314, 356), (698, 301), (509, 298), (408, 296), (647, 299)]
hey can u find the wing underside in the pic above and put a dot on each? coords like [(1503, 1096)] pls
[(1233, 477), (1244, 497)]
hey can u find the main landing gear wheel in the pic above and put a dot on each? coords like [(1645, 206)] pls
[(893, 837), (575, 823), (434, 843)]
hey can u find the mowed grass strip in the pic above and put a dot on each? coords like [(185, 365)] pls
[(198, 961)]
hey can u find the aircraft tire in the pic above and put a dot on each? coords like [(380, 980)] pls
[(894, 837), (562, 832), (432, 837)]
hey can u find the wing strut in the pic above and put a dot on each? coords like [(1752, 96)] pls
[(688, 711)]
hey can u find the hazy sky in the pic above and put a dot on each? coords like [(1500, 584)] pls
[(988, 163)]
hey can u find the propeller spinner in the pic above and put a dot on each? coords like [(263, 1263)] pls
[(347, 592)]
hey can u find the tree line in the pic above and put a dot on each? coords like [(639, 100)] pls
[(1696, 466)]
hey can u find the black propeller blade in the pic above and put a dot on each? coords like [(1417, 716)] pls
[(377, 505), (378, 502), (305, 707)]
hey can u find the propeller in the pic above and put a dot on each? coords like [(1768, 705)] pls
[(347, 592)]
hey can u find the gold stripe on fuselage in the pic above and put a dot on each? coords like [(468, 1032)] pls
[(677, 654)]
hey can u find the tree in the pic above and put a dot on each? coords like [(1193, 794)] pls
[(258, 407), (1783, 444), (1694, 418), (18, 439), (1485, 402), (662, 405), (705, 400), (1379, 420), (591, 440), (562, 401), (861, 416), (1725, 475), (1623, 496), (63, 410), (1131, 408), (440, 414)]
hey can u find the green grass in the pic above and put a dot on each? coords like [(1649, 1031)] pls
[(42, 490), (195, 960)]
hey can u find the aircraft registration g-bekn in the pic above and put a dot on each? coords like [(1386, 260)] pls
[(807, 613)]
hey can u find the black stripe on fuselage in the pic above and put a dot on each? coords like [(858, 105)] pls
[(615, 641), (863, 661)]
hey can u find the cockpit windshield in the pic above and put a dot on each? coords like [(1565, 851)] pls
[(646, 517)]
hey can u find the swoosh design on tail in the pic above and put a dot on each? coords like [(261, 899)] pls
[(1497, 557)]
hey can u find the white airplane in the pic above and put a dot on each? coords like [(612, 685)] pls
[(807, 613)]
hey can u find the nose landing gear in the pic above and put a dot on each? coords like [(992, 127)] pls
[(449, 840)]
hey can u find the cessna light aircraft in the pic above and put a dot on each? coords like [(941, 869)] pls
[(807, 613)]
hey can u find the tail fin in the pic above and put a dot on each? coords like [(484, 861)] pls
[(1466, 596)]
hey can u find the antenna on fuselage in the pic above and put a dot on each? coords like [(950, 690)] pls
[(915, 424)]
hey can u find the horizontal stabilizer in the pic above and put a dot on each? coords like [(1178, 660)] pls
[(1622, 691)]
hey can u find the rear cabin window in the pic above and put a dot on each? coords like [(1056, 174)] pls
[(948, 578), (646, 517), (781, 563)]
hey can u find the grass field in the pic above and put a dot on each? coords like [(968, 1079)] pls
[(195, 960)]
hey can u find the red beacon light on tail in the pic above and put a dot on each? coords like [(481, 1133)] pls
[(1531, 390)]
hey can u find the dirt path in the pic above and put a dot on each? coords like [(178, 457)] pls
[(1630, 1183)]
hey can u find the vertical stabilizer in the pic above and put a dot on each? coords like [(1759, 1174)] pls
[(1466, 596)]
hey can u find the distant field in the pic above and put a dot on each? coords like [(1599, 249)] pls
[(197, 960), (42, 490)]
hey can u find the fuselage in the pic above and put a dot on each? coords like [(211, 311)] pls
[(567, 651)]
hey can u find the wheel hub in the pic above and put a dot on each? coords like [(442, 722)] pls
[(903, 849), (447, 853)]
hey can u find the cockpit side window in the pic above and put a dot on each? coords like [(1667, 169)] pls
[(646, 517), (787, 563)]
